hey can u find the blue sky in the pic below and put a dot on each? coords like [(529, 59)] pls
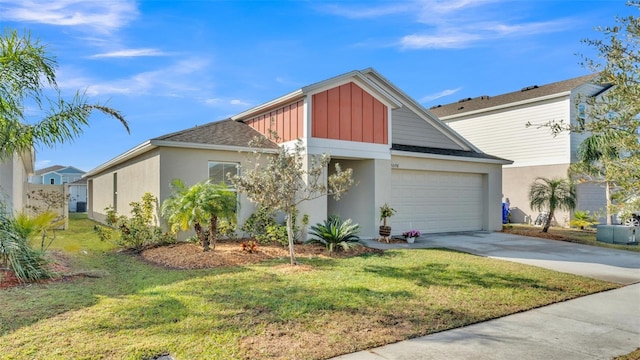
[(170, 65)]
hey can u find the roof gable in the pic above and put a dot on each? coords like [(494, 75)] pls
[(467, 105)]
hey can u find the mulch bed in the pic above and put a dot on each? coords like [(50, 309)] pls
[(229, 253)]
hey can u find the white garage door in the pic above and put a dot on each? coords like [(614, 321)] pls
[(434, 201)]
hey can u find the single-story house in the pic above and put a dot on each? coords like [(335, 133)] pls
[(400, 154), (498, 125)]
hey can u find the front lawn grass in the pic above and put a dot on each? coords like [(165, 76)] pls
[(323, 308)]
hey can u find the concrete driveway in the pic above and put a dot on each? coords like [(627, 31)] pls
[(617, 266), (598, 326)]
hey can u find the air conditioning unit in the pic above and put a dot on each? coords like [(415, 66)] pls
[(617, 234)]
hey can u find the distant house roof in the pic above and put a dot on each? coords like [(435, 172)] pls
[(526, 93), (49, 169), (82, 181), (448, 152), (226, 132)]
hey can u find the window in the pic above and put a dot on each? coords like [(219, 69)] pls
[(52, 181), (220, 172)]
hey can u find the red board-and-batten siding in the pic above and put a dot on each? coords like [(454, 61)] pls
[(286, 121), (349, 113)]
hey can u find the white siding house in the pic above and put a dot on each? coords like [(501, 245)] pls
[(498, 125)]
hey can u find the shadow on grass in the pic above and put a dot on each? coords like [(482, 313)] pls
[(123, 275), (443, 274)]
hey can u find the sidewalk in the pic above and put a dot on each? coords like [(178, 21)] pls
[(599, 326)]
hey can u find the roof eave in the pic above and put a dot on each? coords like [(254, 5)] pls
[(188, 145), (508, 105), (292, 96), (451, 157), (129, 154)]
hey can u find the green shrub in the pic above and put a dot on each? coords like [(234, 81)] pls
[(335, 234), (16, 254), (256, 225), (262, 226), (277, 234), (137, 231), (583, 219)]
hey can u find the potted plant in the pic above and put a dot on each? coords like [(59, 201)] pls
[(386, 212), (411, 235)]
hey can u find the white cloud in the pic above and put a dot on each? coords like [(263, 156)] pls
[(125, 53), (184, 78), (364, 12), (98, 16), (239, 102), (435, 41), (439, 95), (452, 23), (40, 164)]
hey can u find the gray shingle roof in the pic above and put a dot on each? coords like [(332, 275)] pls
[(447, 152), (531, 92), (225, 132)]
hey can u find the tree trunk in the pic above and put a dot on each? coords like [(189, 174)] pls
[(607, 193), (213, 230), (547, 222), (290, 237), (204, 240)]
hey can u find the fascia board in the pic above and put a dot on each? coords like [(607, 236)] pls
[(188, 145), (449, 157), (295, 95), (363, 81), (504, 106)]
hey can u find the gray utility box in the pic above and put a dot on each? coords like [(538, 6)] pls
[(617, 234)]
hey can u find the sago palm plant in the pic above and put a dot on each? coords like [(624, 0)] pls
[(335, 233)]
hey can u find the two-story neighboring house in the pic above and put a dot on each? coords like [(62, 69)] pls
[(14, 176), (497, 125), (400, 154), (65, 175)]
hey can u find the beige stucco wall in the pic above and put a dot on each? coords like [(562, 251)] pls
[(362, 201), (13, 184), (135, 177), (516, 183), (492, 181)]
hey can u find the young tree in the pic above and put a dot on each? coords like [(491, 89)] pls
[(599, 158), (198, 206), (27, 74), (284, 181), (551, 195), (615, 110)]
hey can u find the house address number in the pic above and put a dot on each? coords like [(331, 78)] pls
[(395, 166)]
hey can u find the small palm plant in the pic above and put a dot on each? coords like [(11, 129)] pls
[(335, 233)]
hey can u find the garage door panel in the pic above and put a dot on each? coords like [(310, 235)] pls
[(432, 201)]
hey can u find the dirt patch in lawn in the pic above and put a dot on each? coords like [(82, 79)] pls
[(537, 232), (230, 253), (58, 265)]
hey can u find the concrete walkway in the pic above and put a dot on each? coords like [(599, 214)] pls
[(599, 326)]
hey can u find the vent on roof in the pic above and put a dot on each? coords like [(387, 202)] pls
[(463, 100), (461, 107), (435, 106), (483, 97), (529, 88)]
